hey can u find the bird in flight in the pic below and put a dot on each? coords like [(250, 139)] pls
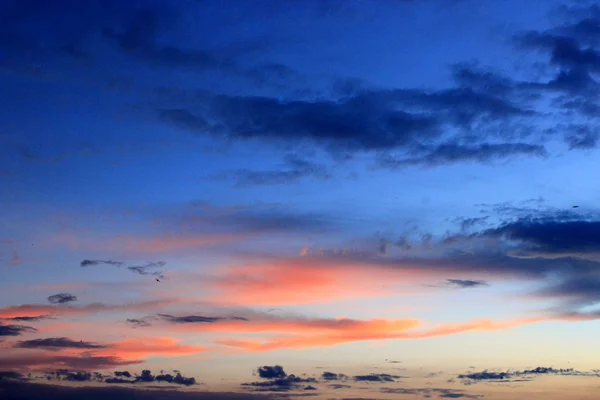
[(157, 280), (575, 206)]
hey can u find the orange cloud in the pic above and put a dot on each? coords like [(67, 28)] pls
[(302, 326), (302, 341), (304, 281), (135, 348)]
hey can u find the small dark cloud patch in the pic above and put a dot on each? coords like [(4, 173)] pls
[(485, 376), (77, 376), (189, 319), (15, 330), (91, 263), (465, 284), (270, 372), (428, 392), (146, 376), (197, 319), (520, 376), (339, 386), (453, 153), (460, 284), (149, 268), (294, 169), (177, 379), (28, 319), (376, 378), (275, 379), (57, 343), (62, 298), (310, 388), (138, 323), (331, 376)]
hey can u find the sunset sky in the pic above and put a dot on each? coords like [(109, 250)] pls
[(373, 199)]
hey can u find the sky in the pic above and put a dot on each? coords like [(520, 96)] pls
[(335, 199)]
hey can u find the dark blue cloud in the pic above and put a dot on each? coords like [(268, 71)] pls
[(370, 120), (57, 343), (15, 330), (551, 236), (11, 375), (12, 390)]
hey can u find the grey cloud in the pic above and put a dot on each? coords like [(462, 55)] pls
[(62, 298), (292, 170), (376, 378), (187, 319), (275, 379), (452, 153), (331, 376), (269, 372), (465, 283), (138, 323), (149, 268), (520, 376), (89, 263), (192, 319), (57, 343), (428, 392), (28, 319)]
